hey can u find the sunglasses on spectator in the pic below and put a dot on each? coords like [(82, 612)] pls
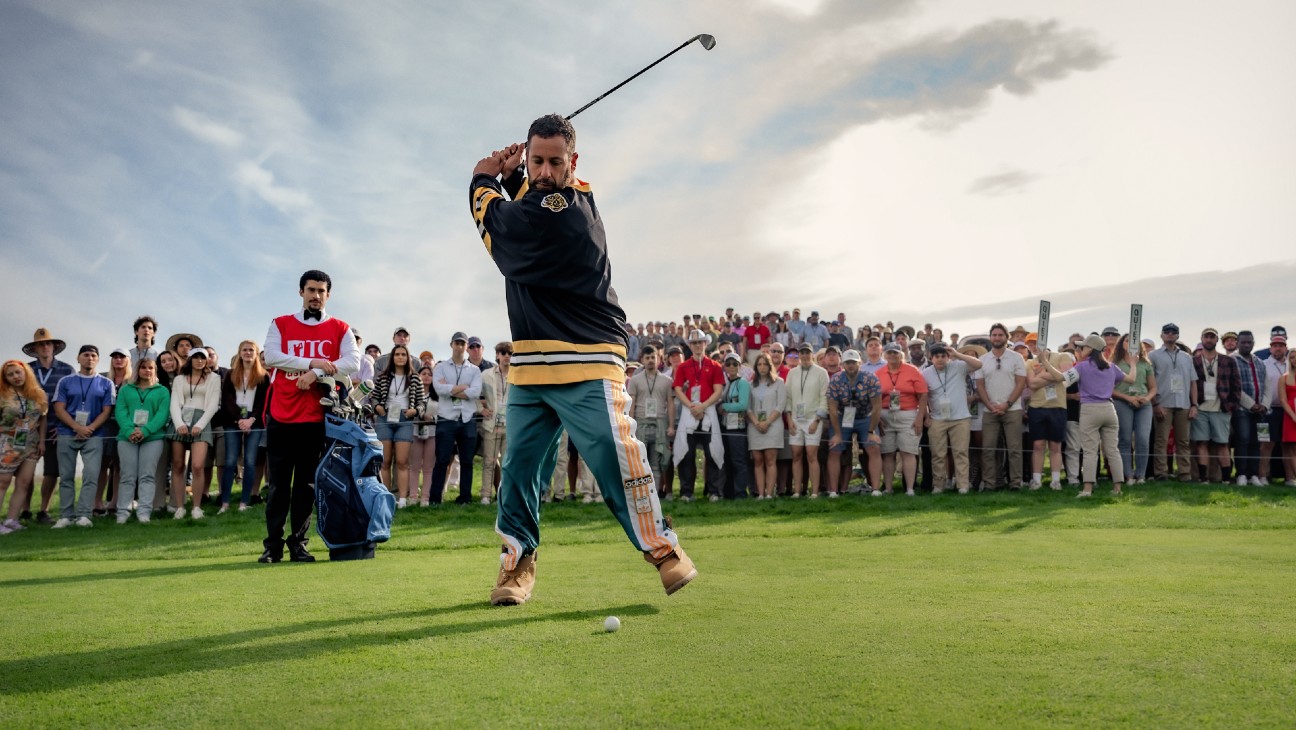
[(474, 347)]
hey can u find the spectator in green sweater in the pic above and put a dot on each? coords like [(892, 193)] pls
[(142, 409)]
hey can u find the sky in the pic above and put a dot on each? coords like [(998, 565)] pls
[(895, 160)]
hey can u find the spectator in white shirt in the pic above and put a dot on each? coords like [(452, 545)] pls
[(458, 384), (1000, 383)]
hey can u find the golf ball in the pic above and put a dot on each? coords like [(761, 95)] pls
[(611, 623)]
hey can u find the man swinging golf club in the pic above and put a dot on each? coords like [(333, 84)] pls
[(569, 354)]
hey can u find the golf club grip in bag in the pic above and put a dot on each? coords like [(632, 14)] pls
[(353, 508)]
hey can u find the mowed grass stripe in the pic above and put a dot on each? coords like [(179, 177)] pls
[(1025, 627)]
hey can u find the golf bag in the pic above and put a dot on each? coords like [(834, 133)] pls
[(353, 509)]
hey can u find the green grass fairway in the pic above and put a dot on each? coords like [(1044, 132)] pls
[(1174, 606)]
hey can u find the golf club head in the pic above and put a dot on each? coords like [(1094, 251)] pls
[(708, 41)]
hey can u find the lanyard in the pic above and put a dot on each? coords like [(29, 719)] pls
[(400, 380), (140, 394), (943, 377), (22, 407), (895, 381), (85, 394)]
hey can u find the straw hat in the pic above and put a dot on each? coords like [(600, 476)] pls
[(173, 339), (973, 350), (43, 335)]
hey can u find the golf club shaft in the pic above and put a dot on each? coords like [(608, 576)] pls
[(632, 78)]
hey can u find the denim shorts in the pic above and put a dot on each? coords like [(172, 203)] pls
[(403, 431)]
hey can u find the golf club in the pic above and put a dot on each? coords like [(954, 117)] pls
[(708, 42)]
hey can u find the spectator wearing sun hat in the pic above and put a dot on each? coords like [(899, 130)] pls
[(49, 371), (699, 384), (181, 343)]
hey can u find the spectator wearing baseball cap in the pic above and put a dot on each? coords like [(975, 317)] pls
[(120, 373), (1277, 331), (854, 400), (735, 402), (400, 336), (949, 421), (1218, 389), (476, 350), (195, 400), (1274, 368), (1099, 426), (904, 409), (1174, 406), (83, 403), (458, 385)]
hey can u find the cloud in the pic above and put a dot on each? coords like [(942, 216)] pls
[(945, 76), (205, 129), (1012, 181)]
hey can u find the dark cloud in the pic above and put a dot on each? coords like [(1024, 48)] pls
[(1012, 181), (950, 74)]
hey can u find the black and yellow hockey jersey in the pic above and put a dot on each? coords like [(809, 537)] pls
[(566, 323)]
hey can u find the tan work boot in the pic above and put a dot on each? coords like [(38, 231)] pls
[(513, 587), (676, 569)]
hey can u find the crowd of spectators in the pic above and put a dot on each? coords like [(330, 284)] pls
[(771, 404)]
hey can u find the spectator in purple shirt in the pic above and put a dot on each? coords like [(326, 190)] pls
[(1098, 421)]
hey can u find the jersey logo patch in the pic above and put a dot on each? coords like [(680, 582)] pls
[(555, 202)]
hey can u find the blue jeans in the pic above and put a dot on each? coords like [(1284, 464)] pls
[(1246, 454), (454, 436), (250, 442), (1135, 435)]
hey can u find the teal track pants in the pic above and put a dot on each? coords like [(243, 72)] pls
[(596, 414)]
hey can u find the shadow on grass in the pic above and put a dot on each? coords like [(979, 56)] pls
[(169, 570), (471, 526), (56, 672)]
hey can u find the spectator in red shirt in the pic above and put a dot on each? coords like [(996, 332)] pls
[(699, 383), (757, 335)]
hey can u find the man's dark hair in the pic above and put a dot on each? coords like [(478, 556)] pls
[(141, 320), (648, 350), (505, 347), (553, 125), (1245, 333), (315, 275), (998, 326), (938, 350)]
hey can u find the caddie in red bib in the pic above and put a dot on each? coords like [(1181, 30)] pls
[(299, 349)]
